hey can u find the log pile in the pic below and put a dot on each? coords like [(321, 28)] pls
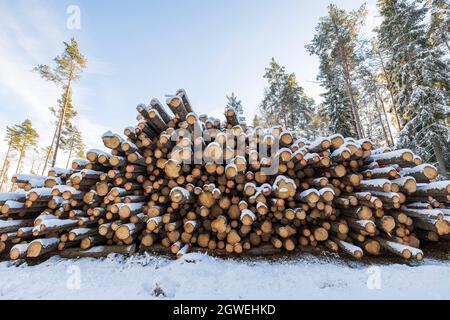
[(179, 181)]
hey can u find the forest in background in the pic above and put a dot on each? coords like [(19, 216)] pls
[(392, 89)]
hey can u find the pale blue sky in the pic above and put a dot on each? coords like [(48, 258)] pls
[(143, 49)]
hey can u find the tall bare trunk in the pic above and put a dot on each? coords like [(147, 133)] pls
[(380, 98), (49, 151), (2, 173), (63, 115), (437, 148), (348, 85), (283, 111), (70, 155), (4, 177), (382, 124), (359, 130), (19, 162), (389, 89)]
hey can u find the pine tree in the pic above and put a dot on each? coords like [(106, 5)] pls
[(12, 138), (69, 66), (273, 106), (27, 137), (336, 44), (299, 106), (421, 78), (71, 113), (439, 26), (373, 113), (234, 102), (320, 121), (336, 104), (385, 76), (72, 142), (285, 102), (256, 121)]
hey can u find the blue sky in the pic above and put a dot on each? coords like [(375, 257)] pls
[(143, 49)]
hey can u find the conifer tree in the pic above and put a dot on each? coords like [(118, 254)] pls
[(27, 137), (336, 103), (320, 121), (374, 115), (256, 121), (439, 26), (421, 78), (299, 106), (72, 142), (273, 106), (336, 43), (68, 68), (12, 139), (234, 102), (384, 75), (285, 102)]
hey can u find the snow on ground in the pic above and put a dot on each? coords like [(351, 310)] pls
[(197, 276)]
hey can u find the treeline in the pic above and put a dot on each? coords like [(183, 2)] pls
[(392, 89), (22, 139)]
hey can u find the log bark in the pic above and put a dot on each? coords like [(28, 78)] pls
[(98, 251)]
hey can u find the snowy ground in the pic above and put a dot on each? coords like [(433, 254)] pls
[(197, 276)]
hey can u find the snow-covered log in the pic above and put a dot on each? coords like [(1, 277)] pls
[(165, 187)]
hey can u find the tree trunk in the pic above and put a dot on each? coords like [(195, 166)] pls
[(4, 166), (437, 148), (5, 177), (388, 87), (382, 125), (386, 118), (348, 85), (19, 162), (70, 155), (47, 157), (359, 131), (281, 92), (63, 115)]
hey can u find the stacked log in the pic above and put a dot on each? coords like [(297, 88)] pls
[(183, 182)]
